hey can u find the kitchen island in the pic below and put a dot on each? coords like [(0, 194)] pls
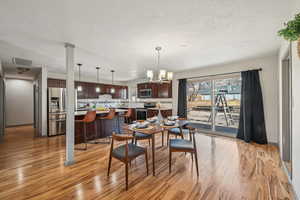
[(100, 128)]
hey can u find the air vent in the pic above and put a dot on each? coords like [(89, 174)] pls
[(22, 70), (21, 61)]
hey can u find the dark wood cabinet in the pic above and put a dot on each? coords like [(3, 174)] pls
[(158, 90), (154, 112), (89, 89)]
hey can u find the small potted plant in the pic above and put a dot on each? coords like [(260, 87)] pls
[(291, 32)]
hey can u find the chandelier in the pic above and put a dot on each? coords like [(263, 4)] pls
[(161, 75)]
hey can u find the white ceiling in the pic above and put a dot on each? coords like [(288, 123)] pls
[(122, 34)]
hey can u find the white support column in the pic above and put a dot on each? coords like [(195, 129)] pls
[(70, 94)]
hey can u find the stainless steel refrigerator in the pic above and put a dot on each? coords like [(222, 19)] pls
[(56, 111)]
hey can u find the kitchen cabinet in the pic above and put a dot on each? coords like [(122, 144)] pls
[(89, 89), (154, 112), (158, 90)]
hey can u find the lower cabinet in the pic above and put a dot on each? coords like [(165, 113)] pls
[(164, 113)]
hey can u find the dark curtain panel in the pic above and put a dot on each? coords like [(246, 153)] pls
[(252, 119), (182, 105)]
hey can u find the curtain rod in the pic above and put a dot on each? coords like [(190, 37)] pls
[(259, 69)]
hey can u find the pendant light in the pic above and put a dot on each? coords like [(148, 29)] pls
[(79, 87), (98, 89), (112, 90), (161, 74)]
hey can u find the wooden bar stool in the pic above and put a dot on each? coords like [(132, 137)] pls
[(127, 116), (125, 153), (110, 116), (89, 118)]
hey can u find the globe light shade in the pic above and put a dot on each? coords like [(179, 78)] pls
[(112, 90), (170, 76), (98, 89), (150, 74), (162, 74), (79, 88)]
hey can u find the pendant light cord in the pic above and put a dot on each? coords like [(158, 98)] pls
[(98, 75), (79, 71), (112, 77)]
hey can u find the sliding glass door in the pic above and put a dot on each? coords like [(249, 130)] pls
[(214, 103), (199, 103)]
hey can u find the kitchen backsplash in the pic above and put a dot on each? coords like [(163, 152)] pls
[(117, 103)]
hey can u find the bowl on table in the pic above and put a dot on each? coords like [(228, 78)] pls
[(169, 123), (152, 120), (141, 125), (172, 118)]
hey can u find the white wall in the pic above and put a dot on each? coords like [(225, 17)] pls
[(296, 119), (19, 102), (42, 84), (269, 84), (295, 105)]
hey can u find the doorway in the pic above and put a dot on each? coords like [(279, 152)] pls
[(213, 103), (286, 139), (20, 103)]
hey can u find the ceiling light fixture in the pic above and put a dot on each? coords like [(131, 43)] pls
[(98, 89), (79, 87), (161, 74), (112, 90)]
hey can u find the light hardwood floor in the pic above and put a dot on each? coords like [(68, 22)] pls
[(229, 169)]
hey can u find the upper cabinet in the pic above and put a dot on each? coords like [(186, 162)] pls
[(89, 89), (154, 90)]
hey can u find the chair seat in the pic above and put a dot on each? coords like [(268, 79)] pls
[(181, 144), (176, 131), (138, 135), (133, 151)]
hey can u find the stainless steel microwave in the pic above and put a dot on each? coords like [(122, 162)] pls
[(145, 93)]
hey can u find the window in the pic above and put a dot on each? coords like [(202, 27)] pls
[(214, 103)]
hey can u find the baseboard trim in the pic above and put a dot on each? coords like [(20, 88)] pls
[(289, 178), (11, 126), (274, 143), (69, 162)]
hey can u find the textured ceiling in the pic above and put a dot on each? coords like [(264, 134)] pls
[(122, 34)]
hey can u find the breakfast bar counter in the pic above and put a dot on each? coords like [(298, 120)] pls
[(100, 128)]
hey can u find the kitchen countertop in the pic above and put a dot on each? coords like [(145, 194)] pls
[(160, 108), (80, 113)]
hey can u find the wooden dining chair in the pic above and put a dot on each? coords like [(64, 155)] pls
[(181, 145), (125, 153), (179, 131), (89, 118)]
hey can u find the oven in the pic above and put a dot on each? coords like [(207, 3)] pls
[(141, 113)]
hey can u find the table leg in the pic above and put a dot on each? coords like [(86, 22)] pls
[(153, 154), (162, 137)]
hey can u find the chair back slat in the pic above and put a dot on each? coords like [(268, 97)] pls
[(89, 117), (121, 137)]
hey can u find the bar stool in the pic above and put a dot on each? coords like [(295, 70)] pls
[(110, 116), (89, 118), (127, 115)]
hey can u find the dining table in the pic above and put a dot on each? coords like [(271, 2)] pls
[(153, 129)]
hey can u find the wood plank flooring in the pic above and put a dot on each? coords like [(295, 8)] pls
[(229, 169)]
